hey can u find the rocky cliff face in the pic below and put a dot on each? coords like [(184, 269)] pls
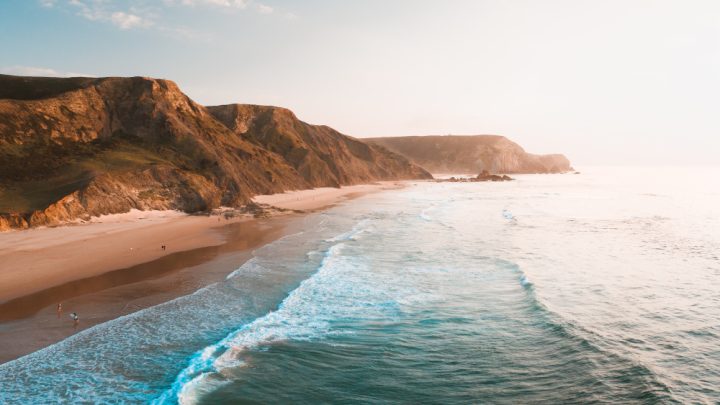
[(79, 147), (471, 154), (321, 155)]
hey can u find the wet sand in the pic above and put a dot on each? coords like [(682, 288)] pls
[(31, 322), (33, 260), (92, 270)]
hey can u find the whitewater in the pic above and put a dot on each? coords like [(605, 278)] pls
[(593, 288)]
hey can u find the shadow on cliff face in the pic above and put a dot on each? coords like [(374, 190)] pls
[(28, 196), (36, 174), (35, 88)]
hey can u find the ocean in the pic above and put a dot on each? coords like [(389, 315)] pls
[(602, 287)]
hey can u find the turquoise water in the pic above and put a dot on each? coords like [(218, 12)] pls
[(603, 288)]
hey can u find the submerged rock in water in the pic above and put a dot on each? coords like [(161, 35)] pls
[(483, 176)]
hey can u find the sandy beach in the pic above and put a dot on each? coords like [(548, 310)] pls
[(36, 259), (115, 264), (322, 197)]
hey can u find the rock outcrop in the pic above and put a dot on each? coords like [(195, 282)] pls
[(482, 177), (79, 147), (472, 154)]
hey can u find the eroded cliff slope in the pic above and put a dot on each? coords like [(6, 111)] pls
[(321, 155), (79, 147)]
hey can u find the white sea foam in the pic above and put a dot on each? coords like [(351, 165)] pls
[(305, 314), (250, 264), (587, 273), (349, 235)]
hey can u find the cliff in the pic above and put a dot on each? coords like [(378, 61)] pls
[(79, 147), (321, 155), (471, 154)]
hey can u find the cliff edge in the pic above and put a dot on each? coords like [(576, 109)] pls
[(321, 155), (78, 147)]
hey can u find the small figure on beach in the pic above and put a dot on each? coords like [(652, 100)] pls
[(509, 216), (76, 319), (163, 247), (59, 309)]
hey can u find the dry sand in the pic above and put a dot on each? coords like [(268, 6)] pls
[(31, 322), (35, 259), (321, 197), (114, 265)]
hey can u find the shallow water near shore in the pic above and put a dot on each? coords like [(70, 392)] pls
[(602, 288)]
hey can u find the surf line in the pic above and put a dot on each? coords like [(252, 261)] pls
[(203, 363)]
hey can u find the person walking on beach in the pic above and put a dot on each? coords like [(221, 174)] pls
[(59, 309), (76, 319)]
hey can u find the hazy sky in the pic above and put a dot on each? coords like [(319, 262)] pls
[(605, 82)]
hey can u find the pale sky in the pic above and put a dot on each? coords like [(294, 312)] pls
[(605, 82)]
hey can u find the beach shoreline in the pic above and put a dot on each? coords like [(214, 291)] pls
[(116, 265)]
